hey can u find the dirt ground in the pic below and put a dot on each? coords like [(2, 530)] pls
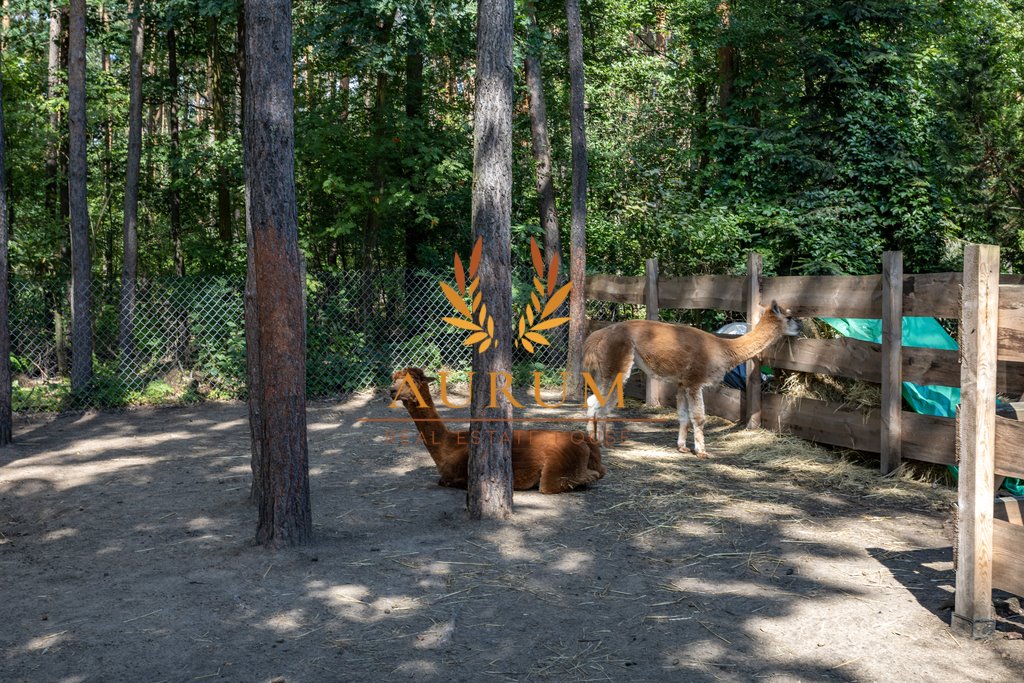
[(126, 555)]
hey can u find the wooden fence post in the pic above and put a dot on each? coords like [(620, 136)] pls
[(892, 361), (979, 324), (655, 391), (753, 291)]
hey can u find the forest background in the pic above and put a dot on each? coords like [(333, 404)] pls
[(819, 133)]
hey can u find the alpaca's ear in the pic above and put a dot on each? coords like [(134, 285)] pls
[(429, 379), (775, 308)]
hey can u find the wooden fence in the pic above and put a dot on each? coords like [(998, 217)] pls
[(893, 433), (990, 539), (990, 553)]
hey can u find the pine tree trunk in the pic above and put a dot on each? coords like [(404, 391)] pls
[(62, 141), (726, 61), (108, 158), (220, 134), (78, 208), (173, 197), (578, 238), (6, 433), (414, 233), (541, 146), (129, 266), (252, 337), (285, 517), (378, 177), (489, 493), (53, 72), (415, 135)]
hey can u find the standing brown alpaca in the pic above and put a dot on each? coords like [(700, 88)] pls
[(691, 358), (557, 461)]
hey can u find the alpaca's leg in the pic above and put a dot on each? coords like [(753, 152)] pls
[(683, 408), (596, 426), (696, 399), (553, 481), (594, 461)]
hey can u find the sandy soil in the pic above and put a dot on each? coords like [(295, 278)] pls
[(126, 555)]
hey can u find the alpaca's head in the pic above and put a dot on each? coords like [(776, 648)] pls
[(406, 382), (789, 325)]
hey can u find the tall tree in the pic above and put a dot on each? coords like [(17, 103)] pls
[(285, 517), (539, 136), (489, 493), (5, 330), (173, 195), (415, 235), (726, 59), (129, 266), (81, 274), (220, 129), (378, 171), (578, 237), (53, 73), (108, 152)]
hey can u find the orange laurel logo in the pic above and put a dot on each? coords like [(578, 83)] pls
[(535, 318)]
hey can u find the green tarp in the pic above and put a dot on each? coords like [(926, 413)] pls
[(927, 400)]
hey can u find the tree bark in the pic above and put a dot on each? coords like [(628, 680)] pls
[(378, 176), (489, 491), (220, 134), (53, 72), (252, 337), (541, 146), (6, 431), (285, 517), (108, 158), (129, 265), (414, 233), (726, 61), (62, 139), (578, 238), (173, 197), (81, 275)]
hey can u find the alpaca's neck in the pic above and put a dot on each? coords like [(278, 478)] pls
[(765, 333), (428, 422)]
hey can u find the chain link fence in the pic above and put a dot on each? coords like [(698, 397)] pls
[(188, 339)]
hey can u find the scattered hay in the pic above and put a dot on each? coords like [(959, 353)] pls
[(849, 393)]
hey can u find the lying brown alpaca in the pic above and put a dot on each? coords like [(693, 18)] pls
[(690, 358), (557, 461)]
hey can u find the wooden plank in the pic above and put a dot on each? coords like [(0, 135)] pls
[(846, 296), (976, 440), (842, 356), (1008, 557), (621, 289), (719, 292), (929, 438), (724, 402), (932, 295), (892, 361), (931, 366), (1011, 323), (942, 367), (753, 297), (1009, 447), (1010, 510), (822, 422), (928, 294)]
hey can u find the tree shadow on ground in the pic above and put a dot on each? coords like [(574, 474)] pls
[(127, 550)]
